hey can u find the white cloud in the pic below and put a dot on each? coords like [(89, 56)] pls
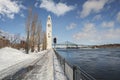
[(9, 8), (87, 32), (56, 8), (118, 17), (22, 15), (91, 6), (112, 34), (90, 34), (71, 26), (36, 4), (108, 24), (97, 17), (89, 27)]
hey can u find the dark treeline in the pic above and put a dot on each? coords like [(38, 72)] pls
[(107, 46)]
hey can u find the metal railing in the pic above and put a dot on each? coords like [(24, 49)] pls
[(73, 72)]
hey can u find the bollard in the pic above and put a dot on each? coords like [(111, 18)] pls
[(74, 72)]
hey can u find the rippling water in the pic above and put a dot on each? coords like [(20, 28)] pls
[(102, 64)]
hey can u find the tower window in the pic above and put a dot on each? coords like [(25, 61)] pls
[(48, 36), (49, 18), (48, 25)]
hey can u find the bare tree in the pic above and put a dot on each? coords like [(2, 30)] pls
[(38, 37), (15, 39), (28, 25), (44, 46), (33, 32)]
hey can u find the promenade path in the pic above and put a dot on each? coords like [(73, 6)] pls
[(47, 68)]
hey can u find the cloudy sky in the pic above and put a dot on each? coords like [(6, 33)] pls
[(78, 21)]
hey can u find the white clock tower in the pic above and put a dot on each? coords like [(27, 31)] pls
[(49, 32)]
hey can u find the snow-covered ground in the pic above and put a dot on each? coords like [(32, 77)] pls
[(43, 69), (47, 68), (12, 60), (10, 56), (58, 71)]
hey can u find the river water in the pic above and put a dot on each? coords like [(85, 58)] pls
[(102, 64)]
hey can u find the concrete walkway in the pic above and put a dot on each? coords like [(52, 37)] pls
[(47, 68)]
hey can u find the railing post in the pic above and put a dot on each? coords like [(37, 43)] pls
[(64, 65), (74, 72)]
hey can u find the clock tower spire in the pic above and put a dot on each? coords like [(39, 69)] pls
[(49, 32)]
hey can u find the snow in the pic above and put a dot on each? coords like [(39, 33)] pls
[(43, 69), (58, 71), (10, 56), (12, 60), (47, 67)]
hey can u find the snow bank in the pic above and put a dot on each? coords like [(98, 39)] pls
[(10, 56), (58, 71)]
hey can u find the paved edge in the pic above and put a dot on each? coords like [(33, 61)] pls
[(58, 71)]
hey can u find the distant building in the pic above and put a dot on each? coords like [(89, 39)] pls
[(4, 42), (49, 32)]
